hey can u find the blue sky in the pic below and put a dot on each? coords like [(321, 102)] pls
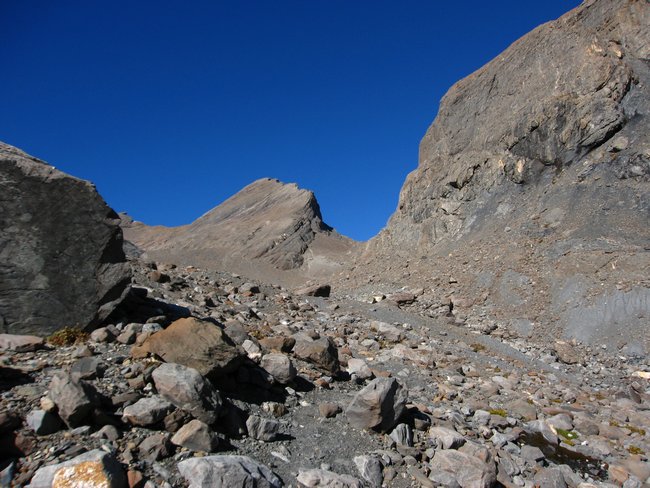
[(170, 107)]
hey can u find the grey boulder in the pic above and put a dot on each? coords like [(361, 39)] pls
[(188, 390), (61, 249), (74, 399), (227, 471), (147, 411), (280, 367), (378, 406)]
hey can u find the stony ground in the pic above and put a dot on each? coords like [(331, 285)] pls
[(335, 391)]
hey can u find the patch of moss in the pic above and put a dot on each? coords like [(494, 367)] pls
[(499, 411), (67, 336), (637, 430), (635, 450)]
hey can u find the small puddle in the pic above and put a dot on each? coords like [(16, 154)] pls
[(560, 455)]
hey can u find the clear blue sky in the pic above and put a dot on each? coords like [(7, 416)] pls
[(170, 107)]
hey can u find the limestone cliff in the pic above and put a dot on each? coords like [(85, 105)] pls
[(533, 181)]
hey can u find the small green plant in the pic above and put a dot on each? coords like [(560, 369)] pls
[(67, 336), (635, 450), (499, 411), (567, 434)]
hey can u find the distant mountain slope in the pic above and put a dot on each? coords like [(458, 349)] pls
[(532, 189), (267, 230)]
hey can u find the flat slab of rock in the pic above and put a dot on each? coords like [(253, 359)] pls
[(57, 224), (20, 343), (321, 478), (193, 343), (378, 406), (468, 471), (226, 472), (96, 468), (188, 390)]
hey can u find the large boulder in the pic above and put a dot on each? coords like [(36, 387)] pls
[(60, 249), (194, 343)]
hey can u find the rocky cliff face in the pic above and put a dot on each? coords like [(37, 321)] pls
[(532, 184), (61, 258), (269, 229)]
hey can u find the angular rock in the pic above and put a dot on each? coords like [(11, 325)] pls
[(147, 411), (312, 478), (97, 468), (43, 423), (566, 353), (20, 343), (155, 447), (402, 435), (446, 438), (279, 366), (468, 471), (315, 291), (388, 331), (321, 352), (277, 344), (359, 368), (329, 409), (193, 343), (75, 400), (55, 223), (262, 429), (370, 469), (188, 390), (378, 406), (87, 368), (197, 436), (226, 472)]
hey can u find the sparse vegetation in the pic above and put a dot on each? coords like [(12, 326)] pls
[(498, 411), (67, 337), (567, 434), (635, 450)]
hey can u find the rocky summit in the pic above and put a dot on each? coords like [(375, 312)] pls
[(269, 230), (494, 334), (61, 257)]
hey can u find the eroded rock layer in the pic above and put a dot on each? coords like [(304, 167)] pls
[(531, 195)]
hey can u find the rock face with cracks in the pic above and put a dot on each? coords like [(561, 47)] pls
[(533, 181), (60, 249)]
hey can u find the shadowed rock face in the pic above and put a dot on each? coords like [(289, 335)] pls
[(537, 167), (268, 225), (61, 258)]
